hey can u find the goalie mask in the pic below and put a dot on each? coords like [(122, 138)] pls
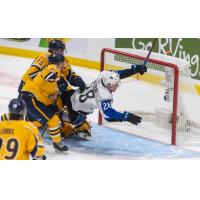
[(111, 80)]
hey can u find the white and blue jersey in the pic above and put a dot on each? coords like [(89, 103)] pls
[(96, 96)]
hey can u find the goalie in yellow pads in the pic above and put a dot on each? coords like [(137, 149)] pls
[(19, 138)]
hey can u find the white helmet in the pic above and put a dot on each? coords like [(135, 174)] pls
[(110, 77)]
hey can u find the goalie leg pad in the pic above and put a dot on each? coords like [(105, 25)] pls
[(84, 127), (67, 129)]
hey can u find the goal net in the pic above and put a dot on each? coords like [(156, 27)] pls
[(165, 96)]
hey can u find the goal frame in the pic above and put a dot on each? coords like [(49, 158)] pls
[(167, 64)]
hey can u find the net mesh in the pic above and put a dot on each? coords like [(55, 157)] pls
[(145, 94)]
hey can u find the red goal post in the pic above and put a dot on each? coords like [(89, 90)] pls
[(173, 66)]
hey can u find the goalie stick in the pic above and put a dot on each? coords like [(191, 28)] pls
[(44, 130)]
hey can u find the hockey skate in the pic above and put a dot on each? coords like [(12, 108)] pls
[(60, 147)]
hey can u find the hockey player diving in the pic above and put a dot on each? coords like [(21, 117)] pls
[(99, 96)]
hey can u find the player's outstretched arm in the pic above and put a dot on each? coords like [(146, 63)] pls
[(112, 115), (141, 69)]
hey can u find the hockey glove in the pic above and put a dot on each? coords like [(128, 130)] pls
[(129, 117), (62, 84), (139, 69), (78, 82)]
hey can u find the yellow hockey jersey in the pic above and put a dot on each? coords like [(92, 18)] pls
[(19, 139), (40, 63), (44, 86)]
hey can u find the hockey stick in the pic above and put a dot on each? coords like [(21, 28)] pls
[(44, 130), (153, 44)]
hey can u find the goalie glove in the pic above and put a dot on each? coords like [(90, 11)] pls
[(139, 69), (129, 117)]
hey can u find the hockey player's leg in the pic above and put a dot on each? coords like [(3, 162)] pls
[(44, 115), (55, 133)]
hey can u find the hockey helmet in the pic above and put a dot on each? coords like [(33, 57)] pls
[(17, 107), (56, 58), (56, 44), (110, 78)]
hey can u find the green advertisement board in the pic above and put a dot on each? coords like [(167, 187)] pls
[(184, 48), (43, 43)]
